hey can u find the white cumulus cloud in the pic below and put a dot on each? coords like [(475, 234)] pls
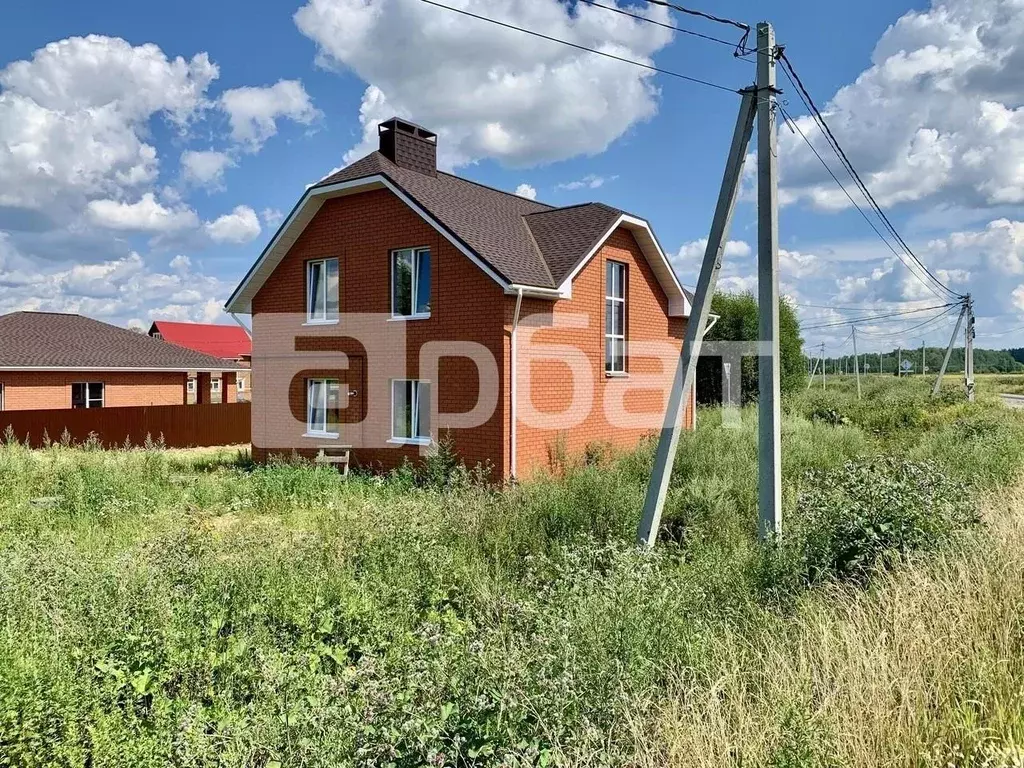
[(254, 111), (525, 190), (491, 92), (145, 215), (205, 167), (938, 115), (73, 119), (240, 226)]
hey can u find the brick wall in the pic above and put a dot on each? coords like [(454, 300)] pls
[(550, 383), (37, 390), (361, 230)]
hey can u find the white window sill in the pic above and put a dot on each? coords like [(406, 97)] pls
[(320, 322), (410, 441), (616, 374), (322, 435), (399, 318)]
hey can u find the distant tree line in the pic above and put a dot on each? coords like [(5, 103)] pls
[(985, 360)]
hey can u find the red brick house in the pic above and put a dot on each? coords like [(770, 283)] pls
[(52, 360), (398, 304), (228, 342)]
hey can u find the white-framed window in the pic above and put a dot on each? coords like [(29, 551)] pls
[(87, 394), (191, 386), (410, 282), (1, 395), (410, 411), (240, 384), (322, 291), (615, 317), (215, 385), (323, 407)]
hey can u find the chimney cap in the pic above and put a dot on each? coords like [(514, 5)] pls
[(407, 127)]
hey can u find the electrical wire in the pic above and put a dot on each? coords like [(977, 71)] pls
[(638, 17), (819, 119), (904, 331), (635, 63), (872, 318), (702, 14), (847, 309), (796, 129)]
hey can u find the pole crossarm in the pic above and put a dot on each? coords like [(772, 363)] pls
[(686, 368)]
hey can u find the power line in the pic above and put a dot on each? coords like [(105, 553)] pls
[(861, 308), (635, 63), (872, 318), (702, 15), (904, 331), (673, 27), (796, 128), (819, 118)]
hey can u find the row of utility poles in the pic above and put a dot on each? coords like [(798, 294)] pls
[(966, 312)]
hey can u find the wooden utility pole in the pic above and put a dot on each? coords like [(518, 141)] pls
[(924, 361), (856, 361), (899, 362), (769, 417), (949, 351), (686, 369)]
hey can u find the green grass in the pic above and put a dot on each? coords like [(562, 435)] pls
[(187, 609)]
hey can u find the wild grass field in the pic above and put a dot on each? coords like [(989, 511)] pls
[(160, 608)]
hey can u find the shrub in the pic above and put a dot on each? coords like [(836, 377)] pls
[(851, 519)]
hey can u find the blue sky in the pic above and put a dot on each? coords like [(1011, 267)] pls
[(145, 167)]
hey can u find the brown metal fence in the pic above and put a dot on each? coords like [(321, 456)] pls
[(181, 426)]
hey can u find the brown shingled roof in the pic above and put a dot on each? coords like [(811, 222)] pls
[(520, 241), (486, 220), (55, 340), (566, 235)]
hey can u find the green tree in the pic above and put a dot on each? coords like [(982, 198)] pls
[(738, 322)]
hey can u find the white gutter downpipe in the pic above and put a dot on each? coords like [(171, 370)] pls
[(512, 385)]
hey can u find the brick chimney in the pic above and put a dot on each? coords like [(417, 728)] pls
[(408, 145)]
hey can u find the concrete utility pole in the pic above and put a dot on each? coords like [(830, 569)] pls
[(686, 369), (814, 369), (758, 102), (856, 361), (769, 418), (924, 362), (949, 351), (899, 362), (822, 353), (969, 350)]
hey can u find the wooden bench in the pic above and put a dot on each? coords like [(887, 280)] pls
[(335, 455)]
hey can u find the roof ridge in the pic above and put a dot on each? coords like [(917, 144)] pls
[(496, 189), (555, 209)]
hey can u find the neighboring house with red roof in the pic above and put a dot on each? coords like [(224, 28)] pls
[(54, 360), (229, 342), (398, 304)]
